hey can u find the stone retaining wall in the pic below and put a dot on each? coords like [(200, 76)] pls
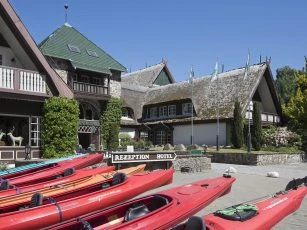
[(196, 163), (257, 159)]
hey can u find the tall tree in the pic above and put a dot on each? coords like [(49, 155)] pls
[(285, 83), (296, 109), (256, 128), (60, 129), (237, 128), (110, 125)]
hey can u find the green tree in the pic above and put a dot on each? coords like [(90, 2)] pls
[(285, 83), (296, 108), (256, 128), (61, 120), (237, 128), (110, 123)]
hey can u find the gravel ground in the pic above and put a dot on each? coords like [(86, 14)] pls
[(252, 182)]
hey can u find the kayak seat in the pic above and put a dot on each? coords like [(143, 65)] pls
[(4, 185), (36, 200), (118, 178), (157, 202), (136, 211), (195, 223), (105, 185), (69, 171)]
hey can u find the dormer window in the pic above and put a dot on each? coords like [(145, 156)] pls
[(187, 108), (91, 53), (73, 48)]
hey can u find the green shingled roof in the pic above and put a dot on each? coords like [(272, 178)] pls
[(56, 45)]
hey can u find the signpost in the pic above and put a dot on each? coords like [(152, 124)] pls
[(146, 156)]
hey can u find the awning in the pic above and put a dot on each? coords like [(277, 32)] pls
[(79, 65)]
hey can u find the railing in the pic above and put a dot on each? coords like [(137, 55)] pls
[(20, 79), (265, 117), (90, 88)]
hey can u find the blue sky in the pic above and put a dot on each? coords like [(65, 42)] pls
[(195, 32)]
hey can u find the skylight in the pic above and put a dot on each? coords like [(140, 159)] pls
[(73, 48), (91, 53)]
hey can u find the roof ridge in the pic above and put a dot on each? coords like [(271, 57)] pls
[(143, 69)]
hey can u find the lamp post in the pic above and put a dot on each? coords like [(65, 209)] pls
[(27, 152), (191, 81), (250, 109)]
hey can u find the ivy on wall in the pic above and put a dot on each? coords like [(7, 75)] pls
[(60, 126), (110, 122)]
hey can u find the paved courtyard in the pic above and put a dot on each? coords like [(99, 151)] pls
[(251, 183)]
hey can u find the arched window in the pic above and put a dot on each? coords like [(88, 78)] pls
[(88, 112)]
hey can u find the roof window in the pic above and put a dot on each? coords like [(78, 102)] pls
[(73, 48), (91, 53)]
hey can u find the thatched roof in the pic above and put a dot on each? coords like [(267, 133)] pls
[(231, 87), (147, 76)]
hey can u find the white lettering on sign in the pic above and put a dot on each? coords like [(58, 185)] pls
[(164, 156)]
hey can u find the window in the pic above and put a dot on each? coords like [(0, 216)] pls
[(91, 53), (0, 59), (153, 112), (125, 112), (161, 137), (144, 135), (84, 79), (73, 48), (163, 111), (172, 110), (97, 81), (187, 108), (35, 131)]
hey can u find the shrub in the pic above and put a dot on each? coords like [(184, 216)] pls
[(61, 120), (281, 136), (238, 125), (256, 128)]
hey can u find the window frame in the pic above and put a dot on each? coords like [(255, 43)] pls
[(187, 108), (153, 112), (172, 108)]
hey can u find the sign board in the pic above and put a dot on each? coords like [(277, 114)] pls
[(146, 156)]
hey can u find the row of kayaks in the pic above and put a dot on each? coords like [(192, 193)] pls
[(65, 195)]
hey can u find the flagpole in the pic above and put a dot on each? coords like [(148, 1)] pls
[(217, 115), (192, 112), (250, 105)]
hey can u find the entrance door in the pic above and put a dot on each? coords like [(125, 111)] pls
[(84, 139)]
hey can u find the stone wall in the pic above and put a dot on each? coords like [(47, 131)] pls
[(257, 159), (194, 163), (115, 89)]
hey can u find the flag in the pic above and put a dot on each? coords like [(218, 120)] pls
[(246, 69), (191, 75), (215, 72)]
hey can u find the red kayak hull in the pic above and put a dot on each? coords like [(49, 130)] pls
[(78, 174), (51, 173), (271, 211), (48, 214), (184, 201)]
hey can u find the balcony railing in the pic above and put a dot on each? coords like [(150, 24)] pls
[(90, 88), (21, 79), (265, 117)]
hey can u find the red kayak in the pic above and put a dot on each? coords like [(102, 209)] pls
[(52, 173), (157, 211), (51, 211), (261, 214), (69, 175)]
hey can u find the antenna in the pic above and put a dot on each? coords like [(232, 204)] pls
[(66, 8)]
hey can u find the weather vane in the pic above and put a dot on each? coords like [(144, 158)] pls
[(66, 8)]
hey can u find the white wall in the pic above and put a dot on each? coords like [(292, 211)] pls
[(7, 56), (203, 134), (130, 131)]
